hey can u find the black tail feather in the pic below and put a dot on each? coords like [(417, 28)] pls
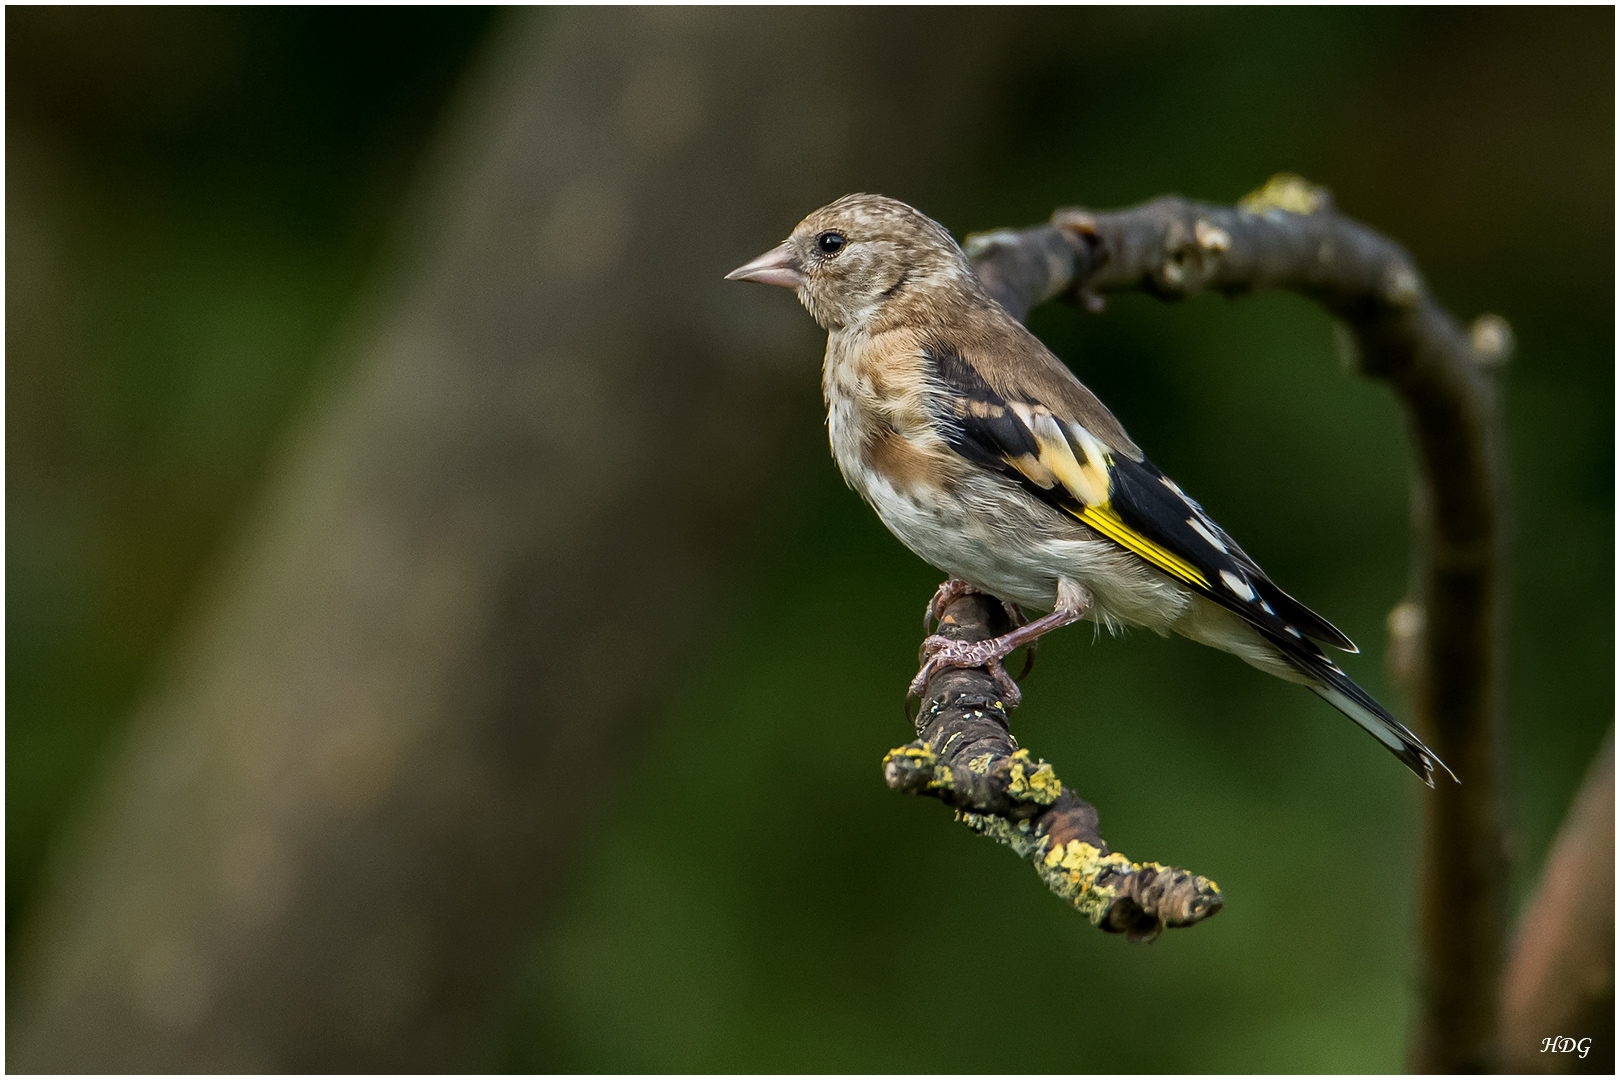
[(1340, 691)]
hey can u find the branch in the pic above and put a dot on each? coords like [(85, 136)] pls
[(1559, 980), (965, 757), (1288, 236)]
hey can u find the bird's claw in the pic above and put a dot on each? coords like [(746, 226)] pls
[(948, 593), (952, 590), (943, 652)]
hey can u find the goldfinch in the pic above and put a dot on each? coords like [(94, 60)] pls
[(987, 458)]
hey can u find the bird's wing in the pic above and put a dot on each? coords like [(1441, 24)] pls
[(1063, 460), (1052, 444)]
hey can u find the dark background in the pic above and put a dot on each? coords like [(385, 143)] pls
[(197, 200)]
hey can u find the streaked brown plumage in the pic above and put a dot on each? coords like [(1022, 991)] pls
[(985, 455)]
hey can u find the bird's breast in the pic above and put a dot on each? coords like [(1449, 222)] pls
[(873, 450), (878, 419)]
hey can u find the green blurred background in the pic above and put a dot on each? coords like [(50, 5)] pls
[(196, 199)]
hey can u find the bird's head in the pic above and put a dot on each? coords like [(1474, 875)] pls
[(850, 258)]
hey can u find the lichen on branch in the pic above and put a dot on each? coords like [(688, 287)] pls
[(966, 757)]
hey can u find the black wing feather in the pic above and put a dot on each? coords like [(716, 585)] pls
[(979, 424), (1147, 503)]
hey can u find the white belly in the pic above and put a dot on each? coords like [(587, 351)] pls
[(996, 537)]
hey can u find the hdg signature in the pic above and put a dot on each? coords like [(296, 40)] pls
[(1565, 1045)]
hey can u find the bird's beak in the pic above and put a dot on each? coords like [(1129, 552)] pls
[(778, 266)]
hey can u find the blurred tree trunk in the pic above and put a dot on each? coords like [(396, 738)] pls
[(333, 827)]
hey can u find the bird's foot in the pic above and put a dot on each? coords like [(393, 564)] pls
[(943, 652), (953, 590)]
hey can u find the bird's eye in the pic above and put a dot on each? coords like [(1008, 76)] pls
[(830, 243)]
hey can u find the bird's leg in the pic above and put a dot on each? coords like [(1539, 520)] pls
[(942, 652), (1016, 616)]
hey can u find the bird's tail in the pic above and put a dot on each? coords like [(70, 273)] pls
[(1339, 690)]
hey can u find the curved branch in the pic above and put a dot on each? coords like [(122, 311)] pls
[(1288, 236), (965, 757), (1559, 980)]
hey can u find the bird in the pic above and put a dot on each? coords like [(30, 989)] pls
[(983, 453)]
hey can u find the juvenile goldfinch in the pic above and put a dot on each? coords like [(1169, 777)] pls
[(986, 457)]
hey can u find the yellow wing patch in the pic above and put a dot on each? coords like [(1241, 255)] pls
[(1087, 479), (1104, 520)]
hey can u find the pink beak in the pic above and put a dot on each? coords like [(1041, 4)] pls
[(778, 266)]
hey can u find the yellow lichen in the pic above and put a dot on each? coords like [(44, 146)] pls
[(1032, 780), (1071, 871), (1288, 192), (920, 755), (922, 759)]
